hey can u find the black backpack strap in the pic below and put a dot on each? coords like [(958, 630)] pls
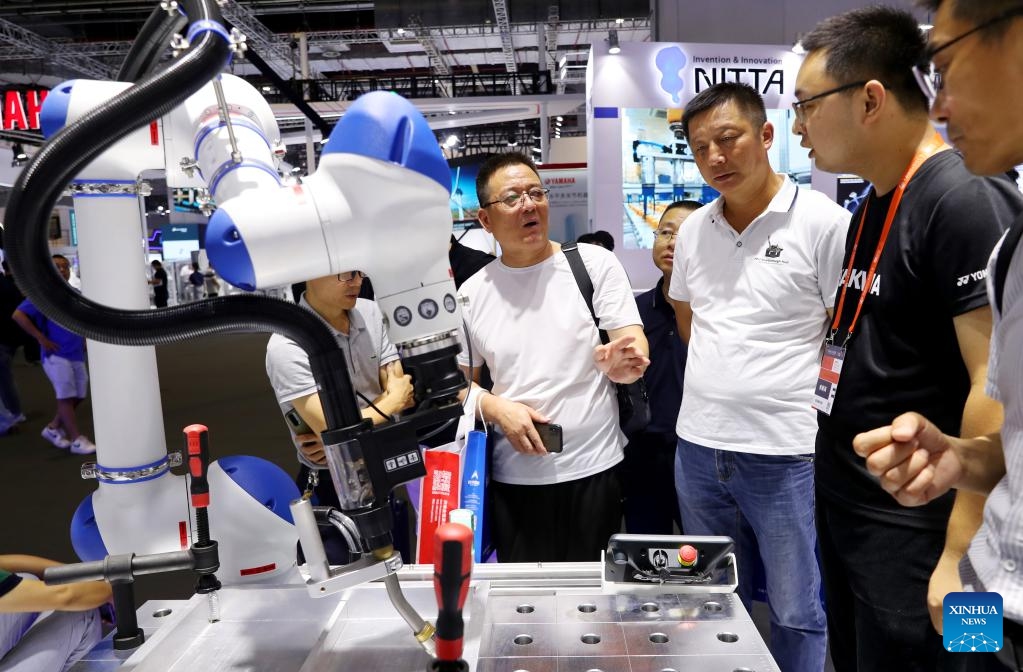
[(582, 279)]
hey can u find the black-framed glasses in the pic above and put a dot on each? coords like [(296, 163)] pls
[(799, 106), (929, 78), (537, 194), (350, 276), (665, 235)]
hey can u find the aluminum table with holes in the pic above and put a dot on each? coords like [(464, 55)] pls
[(519, 617)]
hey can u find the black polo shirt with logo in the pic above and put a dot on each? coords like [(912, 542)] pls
[(904, 355)]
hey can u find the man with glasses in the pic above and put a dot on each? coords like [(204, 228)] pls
[(911, 330), (527, 320), (648, 473), (975, 86), (381, 387), (754, 275)]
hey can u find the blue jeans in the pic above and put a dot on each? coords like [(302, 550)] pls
[(765, 501)]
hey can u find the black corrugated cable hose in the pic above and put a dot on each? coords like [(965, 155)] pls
[(152, 42), (40, 185)]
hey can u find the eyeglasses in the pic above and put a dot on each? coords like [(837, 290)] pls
[(512, 201), (929, 78), (350, 276), (799, 106), (665, 236)]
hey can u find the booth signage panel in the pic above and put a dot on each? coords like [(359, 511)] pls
[(637, 163)]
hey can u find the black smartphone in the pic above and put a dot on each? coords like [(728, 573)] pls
[(297, 424), (550, 436)]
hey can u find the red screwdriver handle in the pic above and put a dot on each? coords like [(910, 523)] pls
[(197, 445), (452, 569)]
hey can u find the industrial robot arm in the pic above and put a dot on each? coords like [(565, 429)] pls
[(383, 180)]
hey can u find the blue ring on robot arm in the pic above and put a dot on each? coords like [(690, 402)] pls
[(240, 123), (208, 26), (228, 166), (149, 472)]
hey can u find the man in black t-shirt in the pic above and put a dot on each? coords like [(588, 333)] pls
[(917, 340)]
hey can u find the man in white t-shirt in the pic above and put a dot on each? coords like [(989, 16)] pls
[(527, 320), (755, 277)]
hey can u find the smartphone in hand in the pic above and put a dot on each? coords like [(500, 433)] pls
[(296, 423), (550, 436)]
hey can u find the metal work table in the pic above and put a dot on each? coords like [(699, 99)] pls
[(518, 617)]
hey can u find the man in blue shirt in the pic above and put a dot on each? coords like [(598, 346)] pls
[(648, 473), (64, 363)]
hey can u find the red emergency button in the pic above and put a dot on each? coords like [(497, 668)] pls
[(687, 555)]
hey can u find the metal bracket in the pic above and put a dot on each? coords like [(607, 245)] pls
[(93, 470), (363, 570), (105, 188), (188, 166)]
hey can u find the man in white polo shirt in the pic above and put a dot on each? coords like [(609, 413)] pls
[(754, 277)]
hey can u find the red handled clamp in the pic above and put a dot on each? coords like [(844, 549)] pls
[(197, 445)]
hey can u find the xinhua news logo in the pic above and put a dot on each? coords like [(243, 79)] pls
[(972, 622)]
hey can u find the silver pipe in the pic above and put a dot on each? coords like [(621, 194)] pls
[(225, 116), (423, 629), (309, 537)]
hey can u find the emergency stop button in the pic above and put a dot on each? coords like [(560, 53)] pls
[(687, 555)]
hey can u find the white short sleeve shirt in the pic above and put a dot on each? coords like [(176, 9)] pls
[(532, 328), (759, 302)]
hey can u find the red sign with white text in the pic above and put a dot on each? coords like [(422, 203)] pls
[(21, 109)]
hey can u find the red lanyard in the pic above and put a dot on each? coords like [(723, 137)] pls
[(933, 146)]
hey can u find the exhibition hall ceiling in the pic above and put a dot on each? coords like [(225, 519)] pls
[(49, 40)]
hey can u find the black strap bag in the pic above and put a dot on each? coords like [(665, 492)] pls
[(633, 401)]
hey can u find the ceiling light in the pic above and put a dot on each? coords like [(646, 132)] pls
[(619, 21), (536, 149), (925, 27), (563, 62), (560, 118), (266, 88), (612, 42), (400, 31), (512, 141), (451, 141)]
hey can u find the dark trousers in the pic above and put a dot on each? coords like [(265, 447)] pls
[(561, 522), (875, 577), (8, 392), (648, 482), (1012, 654)]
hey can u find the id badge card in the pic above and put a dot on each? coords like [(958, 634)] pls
[(827, 379)]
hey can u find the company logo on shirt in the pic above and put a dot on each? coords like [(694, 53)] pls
[(772, 254), (972, 622), (859, 278), (972, 277)]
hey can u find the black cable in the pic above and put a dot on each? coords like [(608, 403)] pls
[(151, 43), (42, 181), (389, 418)]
